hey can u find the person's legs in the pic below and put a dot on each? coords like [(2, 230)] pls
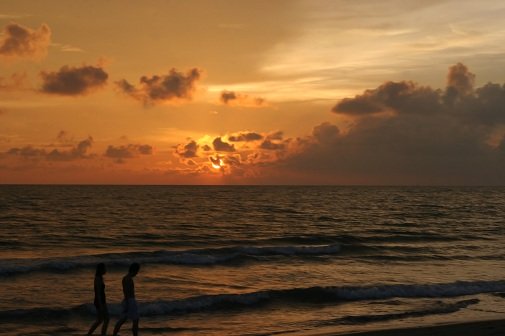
[(101, 315), (95, 325), (135, 327), (105, 324), (119, 323)]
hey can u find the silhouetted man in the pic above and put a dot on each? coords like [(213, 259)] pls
[(130, 308)]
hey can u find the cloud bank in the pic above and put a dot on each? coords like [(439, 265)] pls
[(79, 151), (400, 133), (405, 133)]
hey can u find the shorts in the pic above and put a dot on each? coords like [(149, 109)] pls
[(130, 309)]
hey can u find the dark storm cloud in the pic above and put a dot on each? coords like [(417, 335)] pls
[(23, 42), (427, 139), (245, 136), (156, 89), (71, 81), (244, 100), (79, 151), (120, 153), (189, 150), (221, 146)]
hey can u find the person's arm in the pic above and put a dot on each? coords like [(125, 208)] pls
[(133, 289)]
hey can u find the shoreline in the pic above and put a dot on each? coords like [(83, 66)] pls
[(476, 328)]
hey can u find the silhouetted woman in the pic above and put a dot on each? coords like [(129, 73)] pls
[(102, 313)]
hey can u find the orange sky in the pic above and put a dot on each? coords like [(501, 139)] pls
[(271, 92)]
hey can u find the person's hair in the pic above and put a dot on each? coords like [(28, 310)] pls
[(100, 269), (134, 268)]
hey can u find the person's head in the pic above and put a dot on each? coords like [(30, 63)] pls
[(134, 269), (100, 269)]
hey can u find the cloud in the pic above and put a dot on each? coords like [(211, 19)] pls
[(460, 100), (269, 145), (64, 137), (276, 135), (120, 153), (72, 81), (27, 151), (189, 150), (79, 151), (245, 137), (487, 105), (413, 135), (326, 133), (227, 96), (235, 99), (18, 41), (221, 146), (67, 47), (174, 86), (425, 138), (460, 81), (405, 97)]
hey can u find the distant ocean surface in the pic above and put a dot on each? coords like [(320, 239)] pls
[(251, 260)]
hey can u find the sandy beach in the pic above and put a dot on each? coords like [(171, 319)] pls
[(480, 328)]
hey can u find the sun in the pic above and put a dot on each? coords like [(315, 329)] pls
[(217, 162)]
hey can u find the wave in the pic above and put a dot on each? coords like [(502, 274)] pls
[(235, 255), (438, 308), (309, 295), (211, 256)]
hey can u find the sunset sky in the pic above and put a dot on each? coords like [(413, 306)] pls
[(252, 92)]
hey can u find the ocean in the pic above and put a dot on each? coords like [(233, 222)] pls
[(252, 260)]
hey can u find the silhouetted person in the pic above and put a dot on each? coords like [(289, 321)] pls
[(102, 313), (130, 308)]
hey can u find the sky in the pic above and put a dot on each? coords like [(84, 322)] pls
[(252, 92)]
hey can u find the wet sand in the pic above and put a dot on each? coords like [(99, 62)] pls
[(480, 328)]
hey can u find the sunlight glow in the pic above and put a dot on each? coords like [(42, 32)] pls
[(217, 163)]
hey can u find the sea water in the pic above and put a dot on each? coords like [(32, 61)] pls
[(251, 260)]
